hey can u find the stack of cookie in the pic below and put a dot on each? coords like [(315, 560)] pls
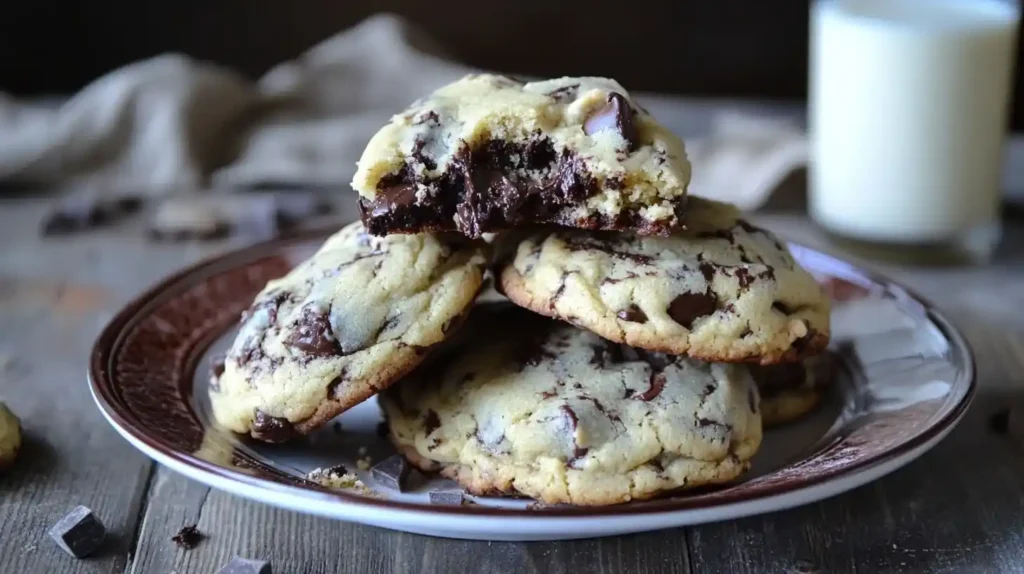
[(638, 325)]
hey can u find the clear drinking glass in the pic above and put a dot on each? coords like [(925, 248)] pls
[(909, 103)]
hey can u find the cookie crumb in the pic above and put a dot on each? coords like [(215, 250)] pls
[(188, 537), (364, 463), (338, 478), (362, 451)]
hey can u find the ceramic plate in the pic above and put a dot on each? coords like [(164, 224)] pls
[(906, 378)]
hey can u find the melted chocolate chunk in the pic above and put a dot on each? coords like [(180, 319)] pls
[(217, 366), (743, 277), (617, 114), (431, 422), (752, 401), (393, 198), (574, 421), (270, 303), (482, 190), (688, 307), (336, 382), (633, 314), (272, 429), (707, 270), (657, 384), (313, 335)]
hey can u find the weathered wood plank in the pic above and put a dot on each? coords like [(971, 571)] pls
[(299, 543), (960, 508), (55, 296)]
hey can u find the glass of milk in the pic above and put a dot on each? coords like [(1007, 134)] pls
[(908, 114)]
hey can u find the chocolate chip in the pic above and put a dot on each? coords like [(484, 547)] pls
[(446, 497), (79, 533), (573, 423), (272, 429), (216, 370), (616, 114), (392, 472), (431, 422), (565, 93), (82, 211), (752, 400), (392, 199), (313, 335), (633, 314), (688, 307), (657, 383), (707, 270), (336, 382), (717, 234), (705, 422), (246, 566), (217, 366), (188, 537), (781, 307), (428, 117)]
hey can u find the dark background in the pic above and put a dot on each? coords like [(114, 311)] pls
[(739, 48)]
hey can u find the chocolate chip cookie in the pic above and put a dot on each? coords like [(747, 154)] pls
[(721, 291), (790, 391), (559, 414), (346, 323), (488, 153)]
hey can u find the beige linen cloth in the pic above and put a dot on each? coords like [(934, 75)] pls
[(173, 124)]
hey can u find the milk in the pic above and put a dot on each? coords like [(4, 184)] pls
[(908, 113)]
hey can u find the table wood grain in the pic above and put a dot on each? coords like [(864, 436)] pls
[(959, 508)]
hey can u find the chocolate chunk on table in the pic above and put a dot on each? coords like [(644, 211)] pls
[(79, 533), (446, 497), (84, 211), (245, 566), (391, 472), (217, 215)]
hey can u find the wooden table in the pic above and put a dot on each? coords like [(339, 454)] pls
[(959, 508)]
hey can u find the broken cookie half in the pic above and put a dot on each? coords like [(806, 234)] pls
[(488, 153), (349, 321)]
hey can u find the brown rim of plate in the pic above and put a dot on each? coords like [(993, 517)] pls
[(112, 337)]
